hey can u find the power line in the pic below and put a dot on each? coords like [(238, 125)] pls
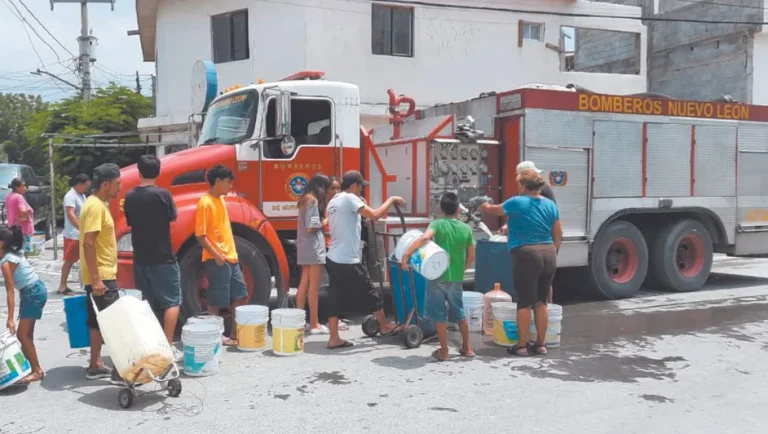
[(29, 37), (46, 29), (26, 23), (721, 4)]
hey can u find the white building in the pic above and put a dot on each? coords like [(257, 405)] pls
[(437, 53)]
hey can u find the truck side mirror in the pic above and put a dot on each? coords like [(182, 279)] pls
[(283, 118)]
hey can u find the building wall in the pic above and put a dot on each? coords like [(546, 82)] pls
[(458, 53), (607, 52), (704, 61)]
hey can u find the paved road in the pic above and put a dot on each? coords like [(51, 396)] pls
[(665, 363)]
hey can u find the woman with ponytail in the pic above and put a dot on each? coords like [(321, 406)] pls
[(19, 275)]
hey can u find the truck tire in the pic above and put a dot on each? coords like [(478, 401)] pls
[(681, 256), (193, 282), (619, 261)]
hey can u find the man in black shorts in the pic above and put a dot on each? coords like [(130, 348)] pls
[(350, 286), (149, 211), (545, 191), (98, 254)]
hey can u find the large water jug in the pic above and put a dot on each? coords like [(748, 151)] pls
[(496, 295), (134, 338)]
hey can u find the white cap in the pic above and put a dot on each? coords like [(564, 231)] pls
[(527, 165)]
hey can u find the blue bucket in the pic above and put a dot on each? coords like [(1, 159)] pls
[(77, 316)]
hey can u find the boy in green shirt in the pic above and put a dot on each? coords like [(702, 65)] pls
[(455, 237)]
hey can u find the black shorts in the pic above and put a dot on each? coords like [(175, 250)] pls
[(533, 267), (102, 302), (350, 290)]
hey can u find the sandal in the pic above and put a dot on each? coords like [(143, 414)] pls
[(66, 292), (539, 349), (517, 350), (229, 342), (436, 356), (346, 344), (466, 354)]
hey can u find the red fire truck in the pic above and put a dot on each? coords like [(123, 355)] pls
[(648, 188)]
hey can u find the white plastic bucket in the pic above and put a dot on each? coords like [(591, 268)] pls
[(288, 331), (473, 307), (14, 365), (202, 346), (554, 327), (209, 319), (505, 324), (251, 323), (430, 260)]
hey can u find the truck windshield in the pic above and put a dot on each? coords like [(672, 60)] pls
[(7, 173), (230, 120)]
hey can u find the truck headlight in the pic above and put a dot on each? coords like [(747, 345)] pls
[(125, 244)]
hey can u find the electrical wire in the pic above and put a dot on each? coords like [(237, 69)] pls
[(29, 37), (46, 29), (26, 23), (722, 4)]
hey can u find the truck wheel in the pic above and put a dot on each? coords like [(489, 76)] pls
[(681, 257), (619, 261), (194, 283)]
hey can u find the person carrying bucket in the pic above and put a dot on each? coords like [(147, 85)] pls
[(535, 234), (149, 211), (226, 285), (98, 267), (18, 274), (456, 238), (349, 282)]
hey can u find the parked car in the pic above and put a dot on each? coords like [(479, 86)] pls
[(38, 193)]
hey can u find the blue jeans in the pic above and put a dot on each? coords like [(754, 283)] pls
[(33, 299), (225, 283), (445, 300), (159, 284)]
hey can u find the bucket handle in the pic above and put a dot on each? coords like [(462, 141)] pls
[(93, 302)]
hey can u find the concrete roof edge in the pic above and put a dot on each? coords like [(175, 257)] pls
[(146, 17)]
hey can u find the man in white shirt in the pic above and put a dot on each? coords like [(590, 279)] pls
[(73, 202), (350, 286)]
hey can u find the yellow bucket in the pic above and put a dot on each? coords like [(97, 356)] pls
[(251, 323), (288, 331), (505, 332), (288, 341)]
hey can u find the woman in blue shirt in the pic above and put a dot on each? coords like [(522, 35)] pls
[(533, 240)]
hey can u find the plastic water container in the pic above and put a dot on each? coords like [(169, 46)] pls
[(37, 244), (505, 324), (493, 265), (494, 296), (206, 318), (288, 331), (135, 339), (430, 260), (554, 327), (202, 346), (473, 306), (76, 312), (251, 323), (14, 365)]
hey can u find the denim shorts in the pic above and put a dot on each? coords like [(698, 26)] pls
[(159, 284), (33, 299), (225, 283), (445, 300)]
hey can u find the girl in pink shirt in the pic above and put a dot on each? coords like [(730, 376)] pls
[(19, 212)]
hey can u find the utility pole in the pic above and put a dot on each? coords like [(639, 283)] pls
[(138, 83), (154, 95), (85, 42)]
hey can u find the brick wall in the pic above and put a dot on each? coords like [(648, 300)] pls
[(607, 51)]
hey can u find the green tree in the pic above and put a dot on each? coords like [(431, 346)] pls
[(114, 109), (15, 111)]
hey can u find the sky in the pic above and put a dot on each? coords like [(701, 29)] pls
[(118, 56)]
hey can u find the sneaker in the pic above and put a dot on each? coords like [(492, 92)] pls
[(99, 373), (343, 326), (178, 355), (322, 330), (116, 379)]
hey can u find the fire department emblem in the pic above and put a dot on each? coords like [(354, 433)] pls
[(296, 184), (558, 178)]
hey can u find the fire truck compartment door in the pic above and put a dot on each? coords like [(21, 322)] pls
[(618, 159), (567, 171)]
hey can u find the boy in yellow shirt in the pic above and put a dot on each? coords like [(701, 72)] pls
[(226, 285)]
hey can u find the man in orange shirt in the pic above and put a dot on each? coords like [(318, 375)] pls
[(226, 285)]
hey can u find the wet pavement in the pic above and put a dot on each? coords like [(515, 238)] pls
[(660, 362)]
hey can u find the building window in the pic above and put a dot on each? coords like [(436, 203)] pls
[(392, 31), (230, 36), (532, 31)]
